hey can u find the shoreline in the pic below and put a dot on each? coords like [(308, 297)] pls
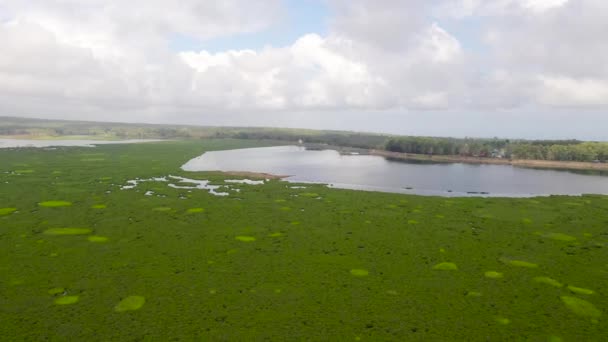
[(548, 164), (524, 163), (255, 175)]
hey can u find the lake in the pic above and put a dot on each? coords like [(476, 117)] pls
[(13, 143), (374, 173)]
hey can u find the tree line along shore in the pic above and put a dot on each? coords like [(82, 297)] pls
[(566, 154)]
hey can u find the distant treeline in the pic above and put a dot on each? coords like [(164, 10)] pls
[(56, 128), (448, 146), (558, 150), (358, 140), (582, 151)]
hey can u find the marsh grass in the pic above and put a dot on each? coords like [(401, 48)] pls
[(200, 282)]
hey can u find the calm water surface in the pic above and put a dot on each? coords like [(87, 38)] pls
[(11, 143), (363, 172)]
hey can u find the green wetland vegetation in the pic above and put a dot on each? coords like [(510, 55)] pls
[(83, 260)]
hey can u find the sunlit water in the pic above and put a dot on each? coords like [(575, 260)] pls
[(364, 172), (12, 143)]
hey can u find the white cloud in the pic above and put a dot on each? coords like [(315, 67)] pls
[(464, 8), (565, 91), (69, 56), (311, 73)]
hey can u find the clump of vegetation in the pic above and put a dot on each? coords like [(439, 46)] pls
[(7, 211), (548, 281), (245, 238), (580, 290), (446, 266), (581, 307), (66, 300), (55, 204), (494, 275), (130, 303), (357, 272), (97, 239), (68, 231)]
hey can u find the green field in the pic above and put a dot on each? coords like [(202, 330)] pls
[(83, 260)]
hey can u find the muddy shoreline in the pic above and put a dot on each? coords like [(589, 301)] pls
[(253, 175)]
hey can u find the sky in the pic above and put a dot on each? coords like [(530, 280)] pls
[(480, 68)]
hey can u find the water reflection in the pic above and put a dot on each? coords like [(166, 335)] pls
[(14, 143), (364, 172)]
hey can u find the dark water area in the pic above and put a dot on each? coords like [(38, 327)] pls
[(374, 173)]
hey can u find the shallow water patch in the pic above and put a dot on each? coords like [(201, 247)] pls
[(68, 231), (55, 204), (244, 181), (182, 183), (130, 303)]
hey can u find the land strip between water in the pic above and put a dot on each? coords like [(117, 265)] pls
[(550, 164)]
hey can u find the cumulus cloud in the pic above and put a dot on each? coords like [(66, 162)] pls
[(69, 56), (564, 91), (463, 8)]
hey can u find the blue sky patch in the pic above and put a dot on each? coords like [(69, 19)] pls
[(303, 16)]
